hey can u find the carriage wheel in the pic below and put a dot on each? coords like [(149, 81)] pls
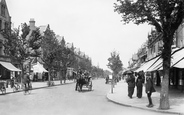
[(90, 87), (18, 87), (78, 88)]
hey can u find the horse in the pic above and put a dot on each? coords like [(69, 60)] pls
[(83, 80)]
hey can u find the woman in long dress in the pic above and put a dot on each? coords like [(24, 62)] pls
[(139, 85)]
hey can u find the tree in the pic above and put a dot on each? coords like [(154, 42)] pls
[(165, 16), (115, 63), (85, 63), (96, 72), (49, 48), (20, 45), (66, 56)]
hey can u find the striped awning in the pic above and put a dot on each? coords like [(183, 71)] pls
[(9, 66)]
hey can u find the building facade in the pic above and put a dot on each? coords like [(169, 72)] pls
[(7, 70), (152, 54)]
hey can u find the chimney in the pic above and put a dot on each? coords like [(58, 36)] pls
[(32, 24)]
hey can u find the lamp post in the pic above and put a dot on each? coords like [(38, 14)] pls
[(112, 85)]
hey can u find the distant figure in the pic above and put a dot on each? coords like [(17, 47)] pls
[(26, 80), (139, 85), (131, 84), (149, 88), (107, 79), (12, 81), (78, 76)]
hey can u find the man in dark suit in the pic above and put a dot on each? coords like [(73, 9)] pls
[(131, 84), (149, 88)]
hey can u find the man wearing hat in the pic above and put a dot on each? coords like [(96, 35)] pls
[(131, 84), (149, 88)]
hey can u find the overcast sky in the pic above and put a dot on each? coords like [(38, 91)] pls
[(91, 25)]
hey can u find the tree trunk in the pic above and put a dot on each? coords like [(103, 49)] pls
[(166, 55), (164, 96), (49, 75), (60, 76), (22, 75)]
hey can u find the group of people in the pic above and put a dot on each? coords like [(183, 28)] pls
[(138, 82), (82, 77)]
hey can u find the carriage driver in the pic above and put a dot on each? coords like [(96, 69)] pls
[(79, 74)]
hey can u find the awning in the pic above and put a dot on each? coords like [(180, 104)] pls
[(147, 65), (9, 66), (38, 68), (180, 64), (176, 61), (140, 68), (156, 65)]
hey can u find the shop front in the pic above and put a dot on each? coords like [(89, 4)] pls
[(7, 70), (176, 78)]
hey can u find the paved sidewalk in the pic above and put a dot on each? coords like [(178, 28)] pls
[(120, 96), (37, 85)]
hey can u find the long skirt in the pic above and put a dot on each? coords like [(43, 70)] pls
[(130, 91), (139, 91)]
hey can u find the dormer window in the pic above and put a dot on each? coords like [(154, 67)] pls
[(3, 7)]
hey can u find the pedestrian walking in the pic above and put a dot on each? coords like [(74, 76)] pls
[(26, 80), (131, 84), (107, 79), (149, 88), (139, 85)]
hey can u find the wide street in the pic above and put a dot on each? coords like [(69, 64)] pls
[(64, 100)]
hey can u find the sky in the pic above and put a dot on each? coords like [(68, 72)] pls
[(91, 25)]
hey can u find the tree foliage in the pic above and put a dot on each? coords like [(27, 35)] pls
[(49, 47), (20, 45), (85, 64), (159, 13), (66, 55), (115, 63), (165, 16)]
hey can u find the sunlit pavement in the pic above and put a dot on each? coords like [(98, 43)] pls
[(120, 96)]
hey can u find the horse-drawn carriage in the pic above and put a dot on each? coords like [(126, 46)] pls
[(84, 80)]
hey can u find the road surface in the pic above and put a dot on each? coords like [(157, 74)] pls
[(64, 100)]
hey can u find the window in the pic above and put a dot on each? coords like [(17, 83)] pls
[(3, 10), (6, 25)]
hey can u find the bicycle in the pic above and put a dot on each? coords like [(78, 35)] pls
[(27, 90), (2, 87), (16, 87)]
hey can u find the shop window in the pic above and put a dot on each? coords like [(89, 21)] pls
[(180, 77)]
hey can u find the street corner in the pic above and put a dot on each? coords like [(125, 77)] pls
[(120, 98), (110, 97)]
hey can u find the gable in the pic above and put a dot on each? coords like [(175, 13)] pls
[(43, 28), (3, 2)]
